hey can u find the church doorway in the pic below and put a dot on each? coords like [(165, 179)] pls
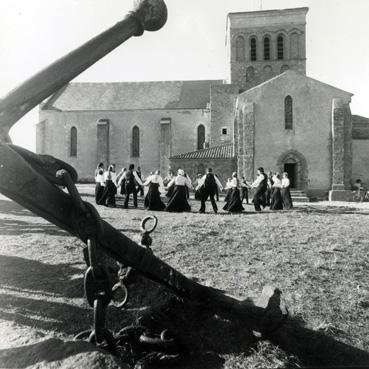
[(294, 163), (291, 169)]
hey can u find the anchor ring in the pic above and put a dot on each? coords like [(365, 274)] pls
[(119, 288), (145, 220)]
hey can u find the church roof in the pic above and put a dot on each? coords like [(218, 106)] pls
[(360, 127), (132, 96), (292, 74), (217, 152)]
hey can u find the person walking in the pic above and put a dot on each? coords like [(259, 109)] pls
[(285, 192), (233, 204), (178, 199), (131, 179), (260, 185), (208, 186), (152, 198), (100, 183)]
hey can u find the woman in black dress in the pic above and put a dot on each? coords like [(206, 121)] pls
[(152, 198), (285, 192), (108, 197), (178, 199), (99, 180), (233, 204), (276, 198), (167, 180)]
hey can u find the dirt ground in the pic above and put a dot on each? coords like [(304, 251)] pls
[(316, 254)]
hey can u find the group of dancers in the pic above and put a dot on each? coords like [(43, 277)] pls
[(270, 190)]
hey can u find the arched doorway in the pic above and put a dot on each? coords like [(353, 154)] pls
[(294, 163)]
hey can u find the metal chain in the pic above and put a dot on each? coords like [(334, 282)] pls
[(145, 348), (97, 283)]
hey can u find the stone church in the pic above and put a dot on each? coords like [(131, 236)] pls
[(266, 113)]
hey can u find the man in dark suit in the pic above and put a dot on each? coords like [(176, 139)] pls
[(261, 186)]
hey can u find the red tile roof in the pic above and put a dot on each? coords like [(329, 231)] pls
[(217, 152)]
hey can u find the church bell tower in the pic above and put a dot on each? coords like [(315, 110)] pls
[(263, 44)]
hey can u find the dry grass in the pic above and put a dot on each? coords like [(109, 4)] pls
[(317, 255)]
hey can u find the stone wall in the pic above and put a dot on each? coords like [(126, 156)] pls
[(56, 136), (290, 23), (222, 102), (311, 135)]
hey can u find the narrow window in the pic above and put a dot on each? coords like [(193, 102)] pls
[(266, 48), (224, 131), (288, 116), (200, 136), (135, 141), (73, 141), (240, 48), (280, 47), (253, 48)]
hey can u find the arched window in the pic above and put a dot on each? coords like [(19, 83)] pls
[(267, 48), (135, 141), (288, 115), (253, 48), (280, 47), (200, 136), (73, 141), (240, 48)]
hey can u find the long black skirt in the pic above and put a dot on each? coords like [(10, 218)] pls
[(178, 201), (276, 199), (228, 194), (108, 196), (99, 190), (234, 205), (170, 191), (152, 198), (286, 198)]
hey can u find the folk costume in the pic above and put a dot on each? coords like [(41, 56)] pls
[(152, 198), (207, 187), (276, 199), (285, 193), (244, 190), (233, 204), (228, 188), (100, 185), (178, 200), (260, 185), (131, 180), (167, 180), (110, 190), (269, 190)]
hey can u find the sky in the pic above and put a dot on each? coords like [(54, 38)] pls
[(191, 45)]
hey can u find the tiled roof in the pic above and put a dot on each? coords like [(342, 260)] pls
[(360, 127), (132, 96), (216, 152)]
